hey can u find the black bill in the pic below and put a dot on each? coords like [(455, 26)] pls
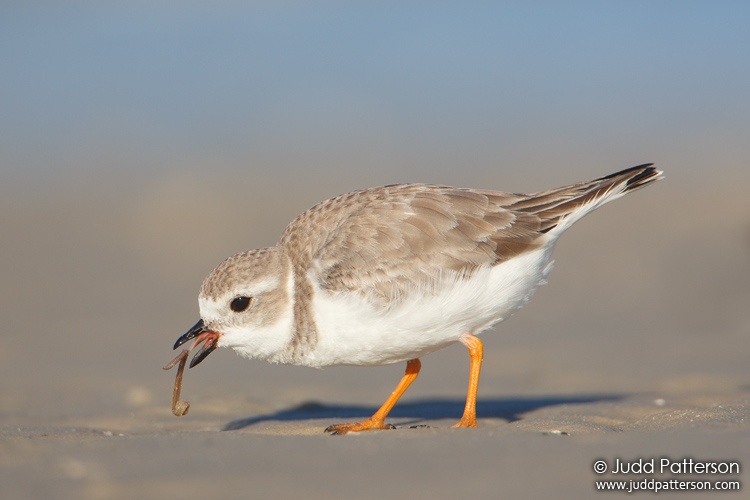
[(199, 333)]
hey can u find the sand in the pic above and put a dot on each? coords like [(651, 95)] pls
[(636, 349)]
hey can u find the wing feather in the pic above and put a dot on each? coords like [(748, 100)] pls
[(388, 242)]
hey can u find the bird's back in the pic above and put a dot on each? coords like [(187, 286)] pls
[(387, 241)]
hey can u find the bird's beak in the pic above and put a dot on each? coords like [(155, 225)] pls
[(199, 333)]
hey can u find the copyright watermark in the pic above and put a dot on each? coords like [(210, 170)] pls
[(600, 466), (666, 466), (665, 473)]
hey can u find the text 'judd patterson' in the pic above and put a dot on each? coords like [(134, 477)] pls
[(666, 466)]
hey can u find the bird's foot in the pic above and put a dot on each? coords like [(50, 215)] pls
[(465, 422), (366, 425)]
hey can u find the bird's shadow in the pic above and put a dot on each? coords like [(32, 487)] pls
[(508, 409)]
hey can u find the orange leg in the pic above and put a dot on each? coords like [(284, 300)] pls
[(476, 351), (377, 421)]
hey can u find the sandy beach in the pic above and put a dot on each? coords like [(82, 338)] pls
[(636, 349)]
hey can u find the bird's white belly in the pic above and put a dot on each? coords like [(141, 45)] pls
[(352, 331)]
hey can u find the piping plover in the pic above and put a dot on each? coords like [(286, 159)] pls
[(392, 273)]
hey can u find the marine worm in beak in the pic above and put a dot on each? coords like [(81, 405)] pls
[(179, 408)]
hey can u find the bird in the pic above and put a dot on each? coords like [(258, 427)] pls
[(390, 274)]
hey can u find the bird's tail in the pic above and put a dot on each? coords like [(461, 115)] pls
[(561, 207)]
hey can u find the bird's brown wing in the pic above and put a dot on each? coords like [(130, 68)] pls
[(389, 241), (401, 238)]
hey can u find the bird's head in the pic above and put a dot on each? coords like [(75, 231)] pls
[(245, 303)]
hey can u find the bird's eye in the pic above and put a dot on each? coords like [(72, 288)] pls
[(240, 304)]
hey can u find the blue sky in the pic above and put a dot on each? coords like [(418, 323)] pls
[(414, 88)]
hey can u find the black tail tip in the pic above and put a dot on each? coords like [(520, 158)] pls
[(646, 167), (648, 172), (636, 177)]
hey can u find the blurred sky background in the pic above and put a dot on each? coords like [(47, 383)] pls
[(370, 92)]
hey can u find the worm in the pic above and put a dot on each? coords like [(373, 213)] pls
[(179, 408)]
